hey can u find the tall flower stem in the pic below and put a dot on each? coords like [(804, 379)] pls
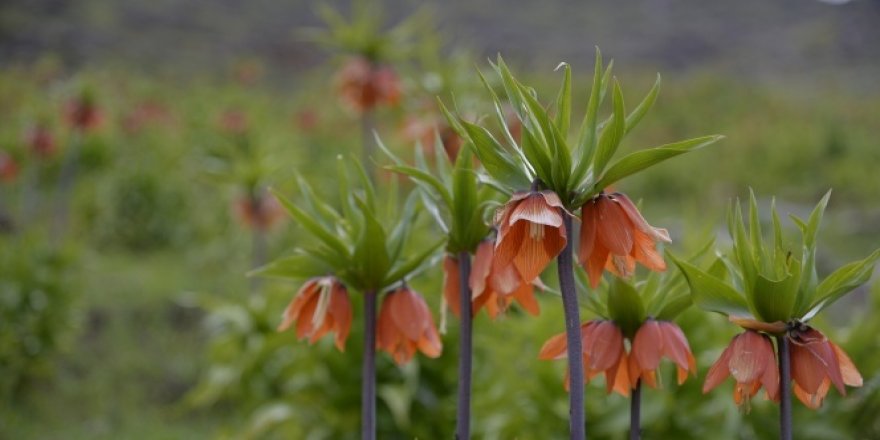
[(635, 413), (368, 372), (64, 192), (367, 142), (573, 334), (465, 355), (784, 387)]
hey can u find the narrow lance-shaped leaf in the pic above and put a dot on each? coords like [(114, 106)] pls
[(845, 280), (639, 112), (642, 159), (587, 136), (321, 232), (710, 293), (563, 101), (613, 133), (625, 306)]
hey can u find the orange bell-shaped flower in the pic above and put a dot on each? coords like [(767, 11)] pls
[(654, 340), (530, 234), (406, 325), (603, 352), (320, 306), (751, 361), (362, 85), (816, 364), (615, 236)]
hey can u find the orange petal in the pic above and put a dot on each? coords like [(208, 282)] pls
[(658, 234), (535, 209), (482, 267), (451, 284), (588, 232), (508, 246), (304, 324), (850, 374), (340, 309), (751, 352), (555, 348), (525, 296), (807, 369), (614, 227), (605, 346), (505, 280), (720, 369), (617, 377), (532, 257), (408, 313), (753, 324), (675, 346), (648, 345), (645, 252)]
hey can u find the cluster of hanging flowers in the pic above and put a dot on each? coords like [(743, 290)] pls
[(363, 85), (604, 352), (321, 306)]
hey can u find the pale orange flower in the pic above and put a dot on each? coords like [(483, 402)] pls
[(751, 361), (83, 114), (603, 352), (320, 306), (615, 236), (362, 85), (40, 141), (816, 364), (261, 212), (8, 167), (406, 325), (494, 292), (530, 235), (654, 340)]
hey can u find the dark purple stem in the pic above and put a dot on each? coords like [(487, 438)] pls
[(465, 354), (368, 372), (577, 422), (635, 413), (784, 387)]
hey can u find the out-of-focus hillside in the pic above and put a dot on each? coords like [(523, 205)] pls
[(791, 39)]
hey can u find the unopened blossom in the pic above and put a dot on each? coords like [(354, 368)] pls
[(321, 306), (615, 236)]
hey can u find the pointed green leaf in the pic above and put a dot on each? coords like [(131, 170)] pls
[(409, 266), (673, 307), (327, 236), (640, 160), (639, 112), (294, 267), (710, 293), (845, 280), (563, 101), (612, 134), (625, 307)]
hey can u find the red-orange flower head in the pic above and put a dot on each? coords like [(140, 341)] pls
[(40, 141), (8, 167), (83, 114), (493, 291), (654, 340), (320, 306), (615, 236), (406, 325), (259, 213), (751, 361), (603, 350), (362, 85), (530, 234), (816, 364)]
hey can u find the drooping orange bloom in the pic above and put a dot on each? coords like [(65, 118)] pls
[(406, 325), (83, 114), (603, 352), (362, 85), (40, 141), (233, 122), (8, 167), (260, 212), (615, 236), (654, 340), (751, 361), (816, 364), (493, 292), (320, 306), (530, 234)]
